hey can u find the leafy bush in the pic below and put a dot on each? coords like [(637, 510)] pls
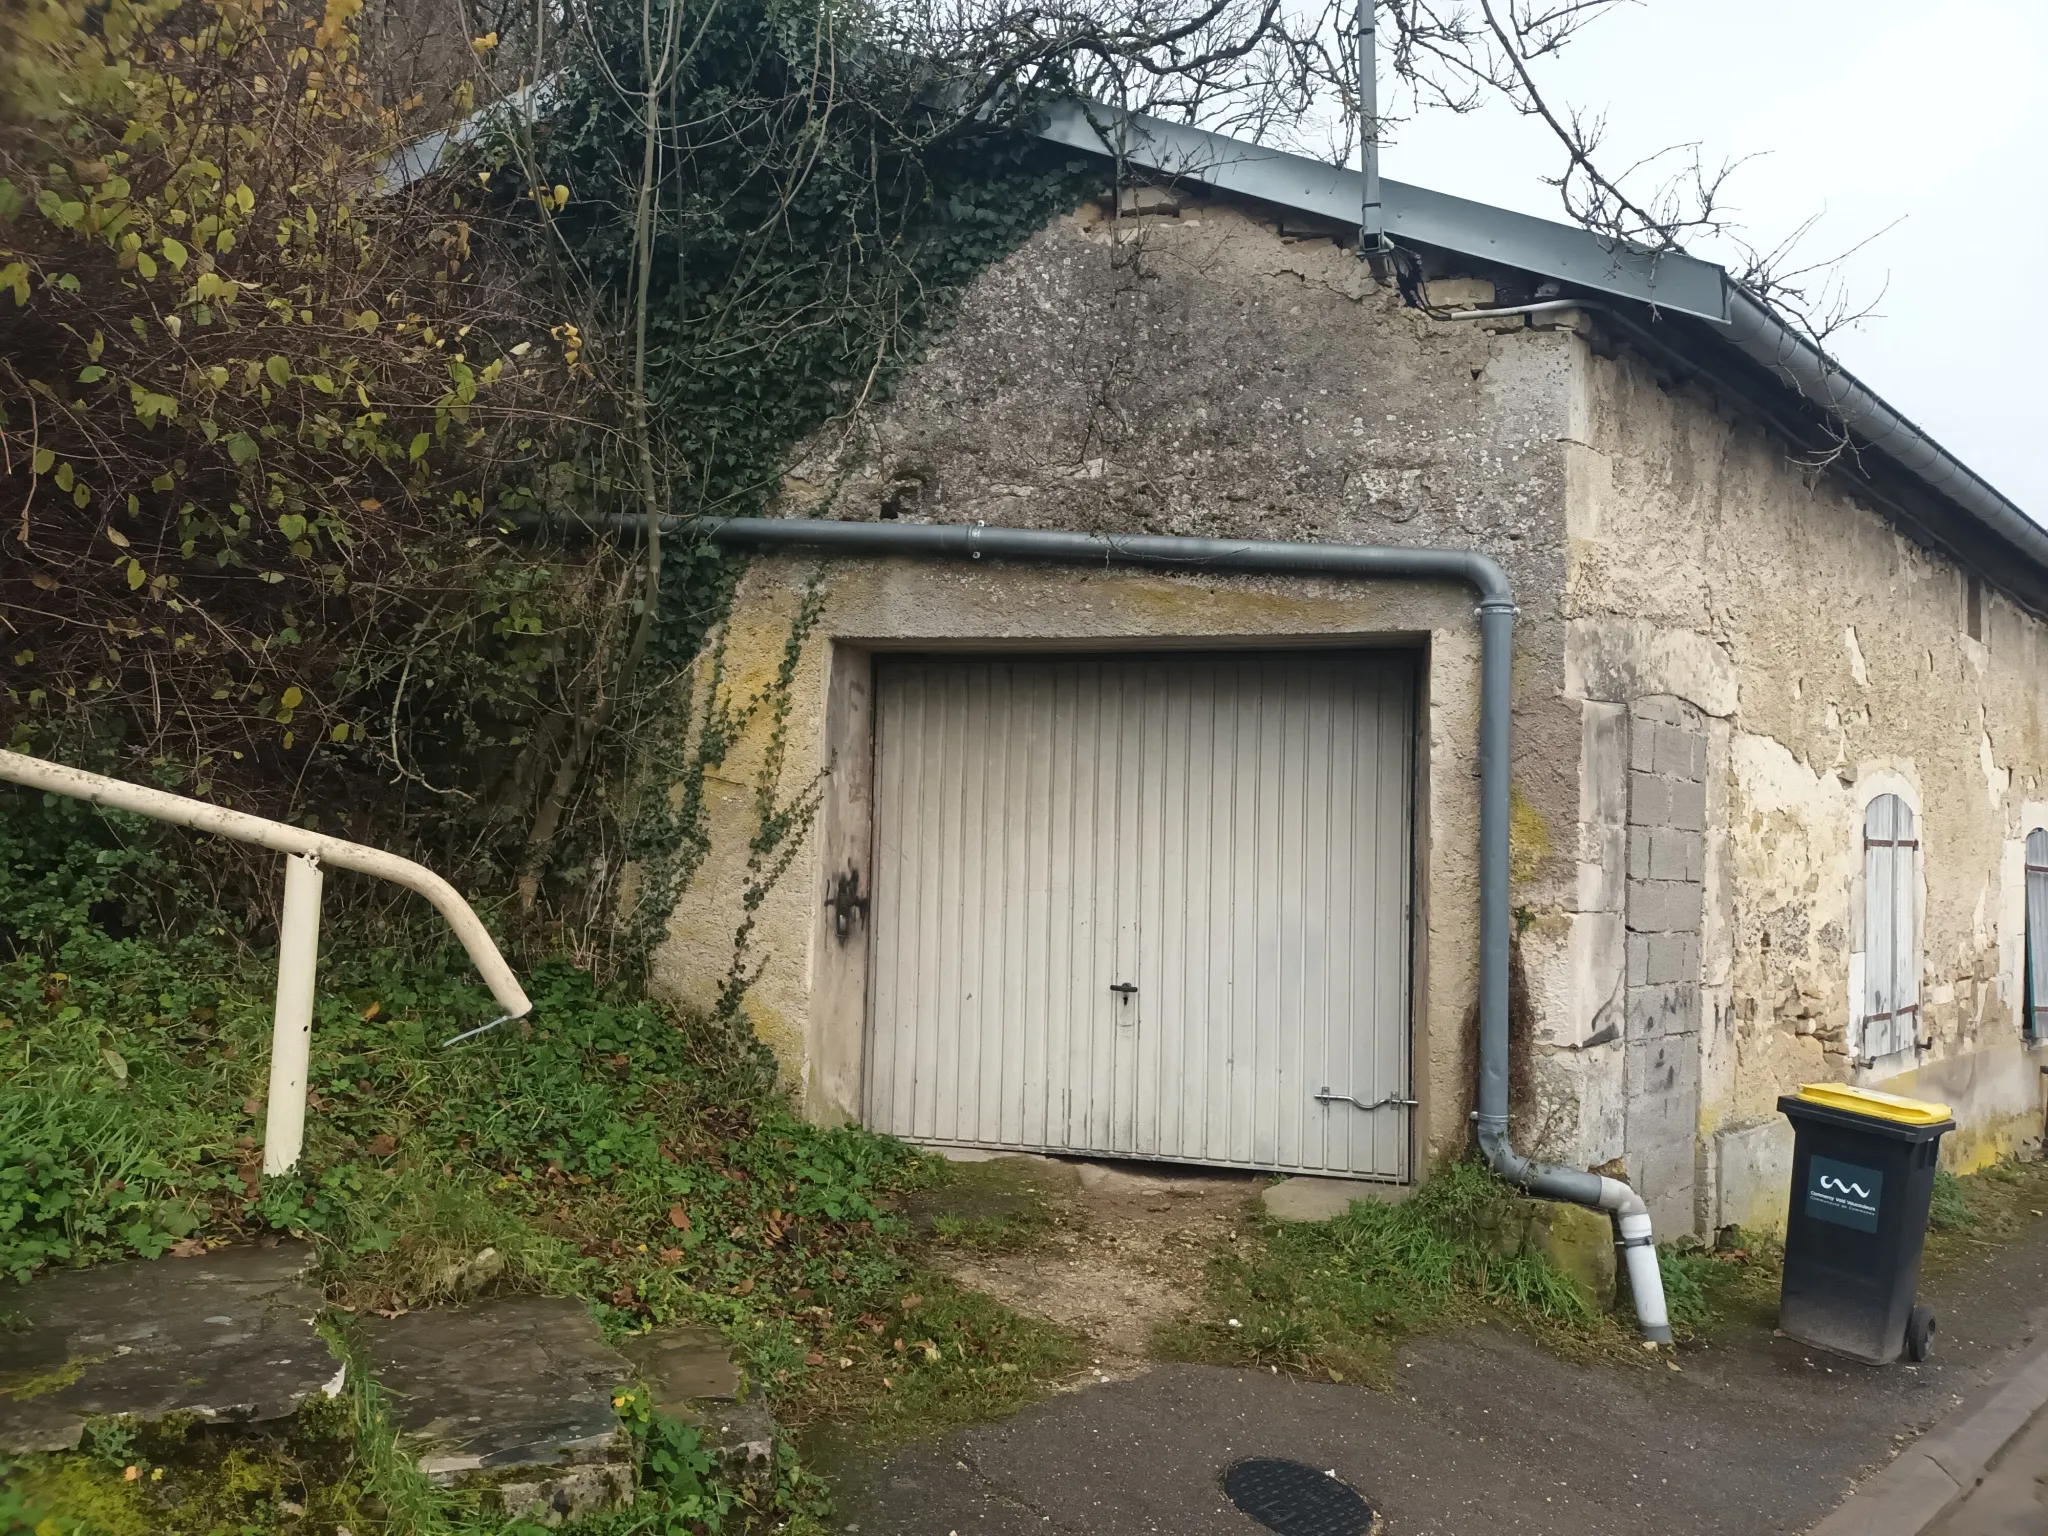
[(270, 416)]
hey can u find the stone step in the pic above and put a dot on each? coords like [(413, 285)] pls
[(226, 1337), (513, 1396)]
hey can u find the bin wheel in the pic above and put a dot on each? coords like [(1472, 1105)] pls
[(1919, 1334)]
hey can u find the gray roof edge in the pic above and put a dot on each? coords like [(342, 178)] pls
[(1758, 332), (1682, 284)]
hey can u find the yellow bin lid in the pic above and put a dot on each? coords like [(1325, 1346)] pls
[(1878, 1106)]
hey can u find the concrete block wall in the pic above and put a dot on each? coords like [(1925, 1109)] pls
[(1665, 906)]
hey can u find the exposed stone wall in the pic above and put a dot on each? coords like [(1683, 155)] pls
[(1197, 372), (1826, 659)]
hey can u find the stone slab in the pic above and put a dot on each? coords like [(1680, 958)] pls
[(1306, 1198), (513, 1395), (227, 1337), (689, 1372), (684, 1366)]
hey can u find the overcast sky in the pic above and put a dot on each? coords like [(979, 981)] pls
[(1866, 110)]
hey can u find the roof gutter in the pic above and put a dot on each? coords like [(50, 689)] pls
[(1358, 562), (1755, 330)]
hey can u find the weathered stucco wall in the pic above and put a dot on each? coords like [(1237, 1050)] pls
[(1830, 660), (1198, 372)]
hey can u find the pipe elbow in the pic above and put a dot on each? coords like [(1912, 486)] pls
[(1623, 1201), (1486, 575)]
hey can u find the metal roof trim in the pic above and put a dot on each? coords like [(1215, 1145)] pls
[(1683, 284), (1676, 283)]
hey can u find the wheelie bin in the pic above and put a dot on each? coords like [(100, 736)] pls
[(1862, 1176)]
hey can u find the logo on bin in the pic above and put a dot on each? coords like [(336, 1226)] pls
[(1843, 1193)]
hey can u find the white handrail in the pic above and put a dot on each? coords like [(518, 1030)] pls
[(335, 851), (299, 936)]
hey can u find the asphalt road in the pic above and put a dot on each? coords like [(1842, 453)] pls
[(1488, 1435)]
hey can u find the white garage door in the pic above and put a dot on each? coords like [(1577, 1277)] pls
[(1146, 906)]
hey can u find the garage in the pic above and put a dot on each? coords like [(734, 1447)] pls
[(1150, 906)]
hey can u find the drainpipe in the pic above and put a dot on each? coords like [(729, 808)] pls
[(298, 937), (1358, 562)]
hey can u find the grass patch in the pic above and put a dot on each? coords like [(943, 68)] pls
[(1949, 1208), (1335, 1298), (1732, 1284), (940, 1355), (1976, 1213), (1002, 1205), (1338, 1298)]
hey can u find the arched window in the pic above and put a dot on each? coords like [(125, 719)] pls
[(2037, 935), (1891, 958)]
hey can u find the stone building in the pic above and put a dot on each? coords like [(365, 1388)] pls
[(1182, 864)]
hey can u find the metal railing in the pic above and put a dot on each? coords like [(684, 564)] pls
[(298, 943)]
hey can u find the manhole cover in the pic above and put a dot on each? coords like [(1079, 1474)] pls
[(1296, 1499)]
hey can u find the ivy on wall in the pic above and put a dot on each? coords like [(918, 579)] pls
[(813, 223)]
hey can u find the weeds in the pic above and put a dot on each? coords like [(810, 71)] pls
[(1981, 1211), (1335, 1297), (1949, 1210)]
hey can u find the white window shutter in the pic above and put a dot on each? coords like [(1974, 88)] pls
[(1892, 963), (1905, 952), (2037, 934)]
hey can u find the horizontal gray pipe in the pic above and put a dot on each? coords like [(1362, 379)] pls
[(973, 542), (1496, 670)]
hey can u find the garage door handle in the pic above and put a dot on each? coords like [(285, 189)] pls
[(1392, 1099), (1127, 988)]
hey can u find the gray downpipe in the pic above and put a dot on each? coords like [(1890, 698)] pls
[(1496, 672)]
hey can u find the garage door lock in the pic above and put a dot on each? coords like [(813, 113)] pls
[(1124, 989)]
